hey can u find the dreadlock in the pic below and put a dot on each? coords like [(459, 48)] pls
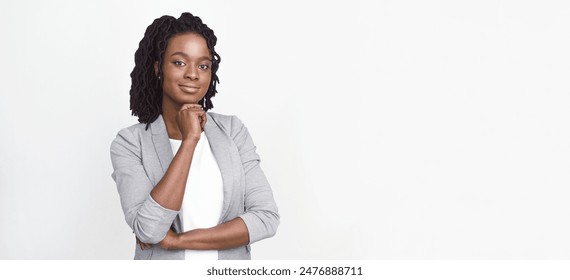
[(146, 88)]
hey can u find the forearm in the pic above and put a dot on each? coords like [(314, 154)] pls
[(169, 191), (228, 235)]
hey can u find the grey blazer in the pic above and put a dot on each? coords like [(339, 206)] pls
[(141, 157)]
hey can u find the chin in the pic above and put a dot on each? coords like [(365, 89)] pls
[(190, 101)]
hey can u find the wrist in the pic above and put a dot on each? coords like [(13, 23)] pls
[(190, 142), (170, 241), (175, 242)]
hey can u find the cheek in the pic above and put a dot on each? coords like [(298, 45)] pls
[(172, 73), (170, 80), (207, 77)]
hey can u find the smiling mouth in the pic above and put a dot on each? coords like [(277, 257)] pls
[(192, 87)]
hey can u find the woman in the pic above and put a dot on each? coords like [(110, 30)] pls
[(189, 180)]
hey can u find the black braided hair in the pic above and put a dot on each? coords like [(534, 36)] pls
[(146, 88)]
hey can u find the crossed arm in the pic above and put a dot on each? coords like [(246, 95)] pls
[(150, 210), (169, 193), (228, 235)]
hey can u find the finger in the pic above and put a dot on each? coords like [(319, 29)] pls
[(192, 109), (191, 106), (141, 244)]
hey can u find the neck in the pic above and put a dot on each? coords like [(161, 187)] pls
[(169, 113)]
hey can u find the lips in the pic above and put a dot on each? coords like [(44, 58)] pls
[(189, 88)]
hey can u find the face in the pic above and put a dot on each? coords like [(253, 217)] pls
[(186, 70)]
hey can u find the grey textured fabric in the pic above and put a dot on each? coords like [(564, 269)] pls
[(140, 158)]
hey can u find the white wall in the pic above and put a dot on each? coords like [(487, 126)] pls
[(389, 129)]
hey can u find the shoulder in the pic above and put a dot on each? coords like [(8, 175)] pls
[(130, 135), (229, 123), (134, 130), (221, 118), (234, 128)]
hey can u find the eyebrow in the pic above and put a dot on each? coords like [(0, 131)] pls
[(187, 56)]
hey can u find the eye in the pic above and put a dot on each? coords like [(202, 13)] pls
[(179, 63), (203, 66)]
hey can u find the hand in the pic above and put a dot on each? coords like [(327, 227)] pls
[(191, 121), (169, 241), (143, 245)]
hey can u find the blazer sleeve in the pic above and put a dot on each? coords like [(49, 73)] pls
[(261, 214), (149, 220)]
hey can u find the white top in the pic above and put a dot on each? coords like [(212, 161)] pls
[(204, 195)]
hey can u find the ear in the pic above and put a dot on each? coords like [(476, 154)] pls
[(155, 68)]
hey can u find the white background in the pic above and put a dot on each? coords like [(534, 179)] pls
[(388, 129)]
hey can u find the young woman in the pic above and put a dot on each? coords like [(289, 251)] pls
[(189, 180)]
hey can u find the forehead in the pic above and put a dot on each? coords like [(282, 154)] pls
[(189, 43)]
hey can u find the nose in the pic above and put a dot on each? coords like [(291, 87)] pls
[(192, 73)]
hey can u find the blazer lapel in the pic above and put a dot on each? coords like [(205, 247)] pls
[(161, 143), (220, 144), (163, 150)]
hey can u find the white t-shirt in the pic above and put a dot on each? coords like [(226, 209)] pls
[(204, 195)]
